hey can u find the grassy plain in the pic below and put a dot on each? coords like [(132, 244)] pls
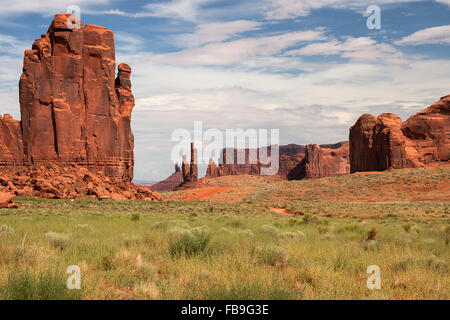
[(319, 249)]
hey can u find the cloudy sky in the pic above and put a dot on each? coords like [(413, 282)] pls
[(306, 67)]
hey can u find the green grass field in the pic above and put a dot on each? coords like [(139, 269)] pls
[(201, 250)]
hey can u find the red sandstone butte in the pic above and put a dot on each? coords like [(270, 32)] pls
[(73, 109), (74, 138), (384, 142)]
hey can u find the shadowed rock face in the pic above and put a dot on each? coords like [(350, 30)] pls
[(384, 142), (73, 109)]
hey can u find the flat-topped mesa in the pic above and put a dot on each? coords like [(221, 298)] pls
[(296, 161), (384, 142), (73, 109)]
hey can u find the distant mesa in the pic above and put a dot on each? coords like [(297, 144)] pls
[(376, 144), (74, 114)]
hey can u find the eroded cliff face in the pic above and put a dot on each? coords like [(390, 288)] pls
[(75, 136), (296, 162), (427, 133), (326, 162), (11, 144), (384, 142), (73, 109)]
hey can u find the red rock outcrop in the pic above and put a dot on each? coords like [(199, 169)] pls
[(428, 133), (73, 109), (11, 145), (384, 142), (75, 136), (6, 200), (296, 162), (169, 184), (326, 162), (58, 181), (190, 170)]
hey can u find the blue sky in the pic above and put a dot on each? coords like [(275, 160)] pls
[(306, 67)]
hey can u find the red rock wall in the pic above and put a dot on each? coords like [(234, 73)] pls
[(296, 162), (73, 109), (325, 162), (11, 145), (384, 142)]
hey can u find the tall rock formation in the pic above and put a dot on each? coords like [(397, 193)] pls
[(75, 135), (73, 109), (384, 142), (190, 170)]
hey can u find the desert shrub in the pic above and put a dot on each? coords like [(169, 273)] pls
[(58, 240), (246, 233), (403, 264), (435, 263), (270, 255), (447, 235), (372, 234), (341, 263), (407, 227), (135, 216), (6, 230), (189, 243), (292, 235), (132, 240), (269, 230), (224, 230), (48, 285), (106, 261), (248, 291), (371, 245), (145, 269), (322, 229), (349, 228), (159, 225), (235, 223), (83, 228)]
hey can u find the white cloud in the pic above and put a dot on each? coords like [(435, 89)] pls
[(290, 9), (447, 2), (215, 32), (184, 9), (12, 46), (355, 49), (47, 7), (237, 51), (127, 42), (435, 35), (317, 106)]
